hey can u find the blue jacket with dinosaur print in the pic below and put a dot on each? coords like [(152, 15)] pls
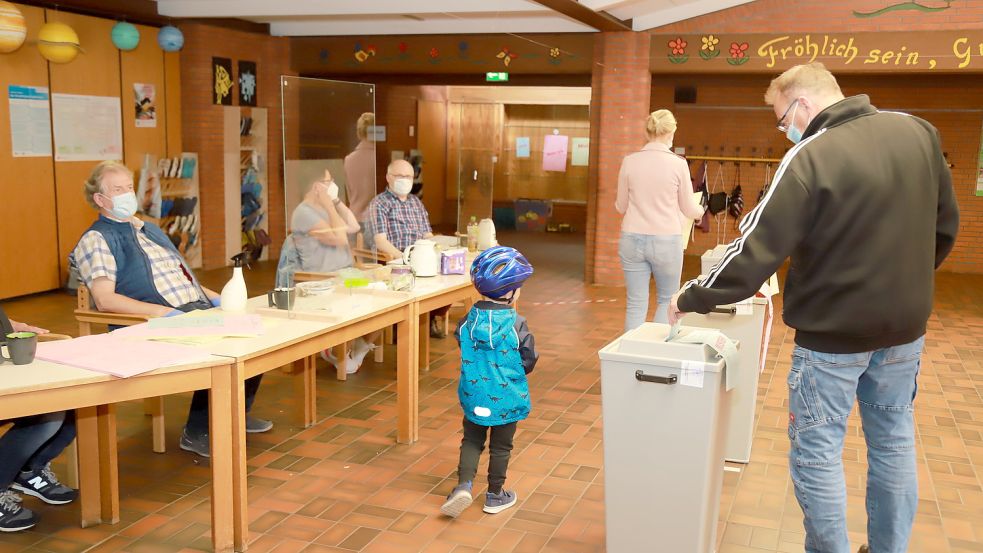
[(497, 352)]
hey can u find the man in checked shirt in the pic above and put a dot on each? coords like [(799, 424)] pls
[(131, 266), (397, 219)]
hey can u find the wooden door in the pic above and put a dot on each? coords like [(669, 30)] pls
[(431, 120)]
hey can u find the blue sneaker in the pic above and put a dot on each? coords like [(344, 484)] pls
[(498, 502), (458, 500)]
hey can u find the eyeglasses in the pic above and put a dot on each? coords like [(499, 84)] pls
[(781, 125)]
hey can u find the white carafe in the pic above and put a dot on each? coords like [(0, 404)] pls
[(234, 294), (422, 258), (486, 234)]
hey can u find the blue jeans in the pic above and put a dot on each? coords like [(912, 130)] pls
[(643, 255), (32, 442), (821, 391)]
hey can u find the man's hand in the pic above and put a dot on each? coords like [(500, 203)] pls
[(674, 313), (23, 327)]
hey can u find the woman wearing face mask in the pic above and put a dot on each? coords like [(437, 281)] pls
[(320, 226), (318, 242), (655, 195)]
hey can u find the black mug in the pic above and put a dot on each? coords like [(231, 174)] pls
[(282, 298), (21, 346)]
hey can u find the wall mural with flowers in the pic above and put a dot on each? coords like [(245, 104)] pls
[(916, 52), (529, 54)]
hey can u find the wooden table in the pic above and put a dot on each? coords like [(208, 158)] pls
[(317, 323), (432, 293), (43, 387)]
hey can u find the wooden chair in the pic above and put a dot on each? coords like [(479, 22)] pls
[(86, 314)]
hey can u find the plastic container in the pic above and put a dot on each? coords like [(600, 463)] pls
[(234, 294), (663, 405)]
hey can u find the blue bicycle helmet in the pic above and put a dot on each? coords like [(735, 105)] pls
[(499, 270)]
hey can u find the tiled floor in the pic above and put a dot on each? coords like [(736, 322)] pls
[(343, 485)]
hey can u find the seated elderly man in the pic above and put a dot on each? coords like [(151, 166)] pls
[(131, 266), (398, 219)]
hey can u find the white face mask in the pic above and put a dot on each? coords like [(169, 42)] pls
[(124, 206), (331, 189), (402, 187)]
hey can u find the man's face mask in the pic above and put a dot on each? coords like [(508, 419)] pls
[(124, 205), (402, 186), (787, 124)]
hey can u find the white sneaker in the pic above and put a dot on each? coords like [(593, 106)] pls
[(351, 365), (360, 349)]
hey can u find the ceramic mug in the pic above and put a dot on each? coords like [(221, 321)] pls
[(282, 298), (21, 346)]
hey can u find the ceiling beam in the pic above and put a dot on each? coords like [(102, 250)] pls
[(683, 12), (448, 26), (286, 9), (579, 12)]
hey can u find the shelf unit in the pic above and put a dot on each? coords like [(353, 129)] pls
[(180, 223), (241, 153)]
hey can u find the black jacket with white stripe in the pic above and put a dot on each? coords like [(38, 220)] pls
[(864, 207)]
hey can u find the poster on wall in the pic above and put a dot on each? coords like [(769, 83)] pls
[(581, 152), (144, 104), (555, 152), (222, 81), (30, 121), (87, 128), (247, 83), (522, 146), (376, 133)]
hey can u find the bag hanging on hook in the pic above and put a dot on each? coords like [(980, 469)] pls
[(735, 204), (700, 185), (717, 201), (767, 185)]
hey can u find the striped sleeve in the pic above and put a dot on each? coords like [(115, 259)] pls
[(769, 234)]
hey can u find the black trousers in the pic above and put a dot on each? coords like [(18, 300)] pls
[(197, 424), (499, 451)]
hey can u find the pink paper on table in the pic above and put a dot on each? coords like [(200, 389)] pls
[(109, 354), (232, 325), (555, 152)]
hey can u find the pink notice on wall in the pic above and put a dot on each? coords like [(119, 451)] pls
[(555, 152)]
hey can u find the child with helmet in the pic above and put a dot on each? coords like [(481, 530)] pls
[(497, 352)]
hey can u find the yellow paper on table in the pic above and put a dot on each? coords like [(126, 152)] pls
[(687, 223)]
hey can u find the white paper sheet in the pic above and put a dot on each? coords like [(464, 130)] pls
[(87, 128)]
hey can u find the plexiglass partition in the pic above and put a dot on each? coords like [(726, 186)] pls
[(328, 126)]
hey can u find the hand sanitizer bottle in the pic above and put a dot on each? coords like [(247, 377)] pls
[(234, 293)]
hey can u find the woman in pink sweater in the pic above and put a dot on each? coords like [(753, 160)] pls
[(655, 194)]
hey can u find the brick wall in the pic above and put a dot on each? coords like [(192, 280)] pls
[(202, 124), (773, 16), (621, 90), (730, 119)]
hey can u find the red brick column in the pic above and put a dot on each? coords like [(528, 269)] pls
[(202, 125), (621, 90)]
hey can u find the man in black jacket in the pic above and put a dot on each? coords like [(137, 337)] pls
[(863, 205)]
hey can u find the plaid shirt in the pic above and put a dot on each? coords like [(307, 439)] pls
[(403, 223), (95, 260)]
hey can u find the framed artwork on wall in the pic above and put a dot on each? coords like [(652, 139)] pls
[(222, 82)]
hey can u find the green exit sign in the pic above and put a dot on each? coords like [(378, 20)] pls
[(496, 77)]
